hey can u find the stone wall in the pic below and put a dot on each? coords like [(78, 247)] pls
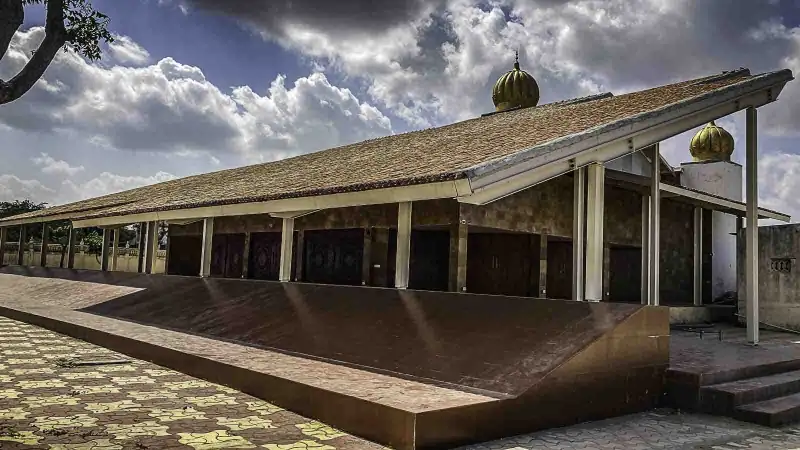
[(127, 261), (623, 217), (778, 275), (676, 283)]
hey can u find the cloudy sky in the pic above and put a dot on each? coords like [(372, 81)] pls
[(194, 86)]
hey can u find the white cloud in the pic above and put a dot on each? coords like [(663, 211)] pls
[(779, 175), (52, 166), (125, 51), (109, 183), (169, 106), (14, 188)]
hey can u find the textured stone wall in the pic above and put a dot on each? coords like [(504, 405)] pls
[(623, 217), (677, 252)]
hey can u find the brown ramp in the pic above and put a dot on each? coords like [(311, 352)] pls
[(536, 363)]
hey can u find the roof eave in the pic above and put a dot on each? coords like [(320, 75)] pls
[(505, 176)]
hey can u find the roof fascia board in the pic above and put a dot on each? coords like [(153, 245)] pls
[(634, 137), (291, 206), (570, 146), (723, 204)]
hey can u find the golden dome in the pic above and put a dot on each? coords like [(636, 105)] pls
[(712, 143), (516, 88)]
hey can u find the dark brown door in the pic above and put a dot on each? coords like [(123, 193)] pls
[(334, 256), (559, 270), (184, 255), (226, 255), (265, 256), (430, 260), (500, 264), (625, 274)]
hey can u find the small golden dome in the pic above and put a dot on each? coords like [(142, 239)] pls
[(712, 143), (516, 88)]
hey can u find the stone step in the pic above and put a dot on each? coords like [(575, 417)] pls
[(775, 412), (725, 397)]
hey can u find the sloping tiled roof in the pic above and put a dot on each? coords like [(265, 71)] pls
[(431, 155)]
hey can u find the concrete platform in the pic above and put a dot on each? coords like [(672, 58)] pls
[(405, 369)]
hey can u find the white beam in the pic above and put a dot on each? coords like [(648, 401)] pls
[(545, 165), (751, 231), (104, 250), (151, 249), (205, 254), (115, 250), (654, 240), (292, 214), (698, 256), (716, 203), (645, 283), (578, 233), (403, 259), (595, 212), (287, 241), (446, 189)]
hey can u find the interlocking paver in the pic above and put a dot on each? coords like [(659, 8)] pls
[(46, 402)]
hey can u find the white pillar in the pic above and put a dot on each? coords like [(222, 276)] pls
[(595, 210), (205, 254), (115, 249), (140, 267), (151, 248), (105, 250), (3, 240), (645, 284), (23, 239), (578, 233), (73, 236), (45, 242), (287, 241), (655, 226), (403, 260), (751, 253), (698, 256)]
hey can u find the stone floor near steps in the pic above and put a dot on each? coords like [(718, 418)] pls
[(46, 404), (46, 401)]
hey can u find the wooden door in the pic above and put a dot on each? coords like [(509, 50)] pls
[(334, 256), (265, 256), (559, 270), (184, 255), (430, 260), (227, 251), (500, 264), (625, 275)]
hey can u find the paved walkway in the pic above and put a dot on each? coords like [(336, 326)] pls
[(49, 400)]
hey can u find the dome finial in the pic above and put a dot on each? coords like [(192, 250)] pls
[(516, 59), (515, 89), (711, 143)]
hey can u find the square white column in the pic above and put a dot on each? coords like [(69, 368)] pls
[(205, 254), (578, 233), (698, 256), (151, 247), (287, 242), (751, 231), (23, 239), (105, 249), (3, 240), (645, 283), (71, 243), (655, 227), (45, 242), (595, 212), (115, 249), (403, 260)]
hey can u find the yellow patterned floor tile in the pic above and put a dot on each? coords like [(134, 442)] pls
[(211, 400), (225, 389), (116, 368), (47, 341), (20, 352), (191, 384), (40, 402), (97, 444), (101, 389), (111, 406), (213, 440), (6, 379), (319, 430), (9, 393), (13, 414), (40, 384), (171, 415), (53, 423), (52, 355), (55, 348), (132, 380), (31, 371), (300, 445), (263, 408), (15, 361), (22, 437), (151, 395), (82, 375), (159, 372), (245, 423), (13, 338), (12, 333), (130, 431)]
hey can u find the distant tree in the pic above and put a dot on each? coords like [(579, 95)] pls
[(71, 24), (8, 209)]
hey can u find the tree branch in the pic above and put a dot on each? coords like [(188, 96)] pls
[(12, 14), (55, 38)]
